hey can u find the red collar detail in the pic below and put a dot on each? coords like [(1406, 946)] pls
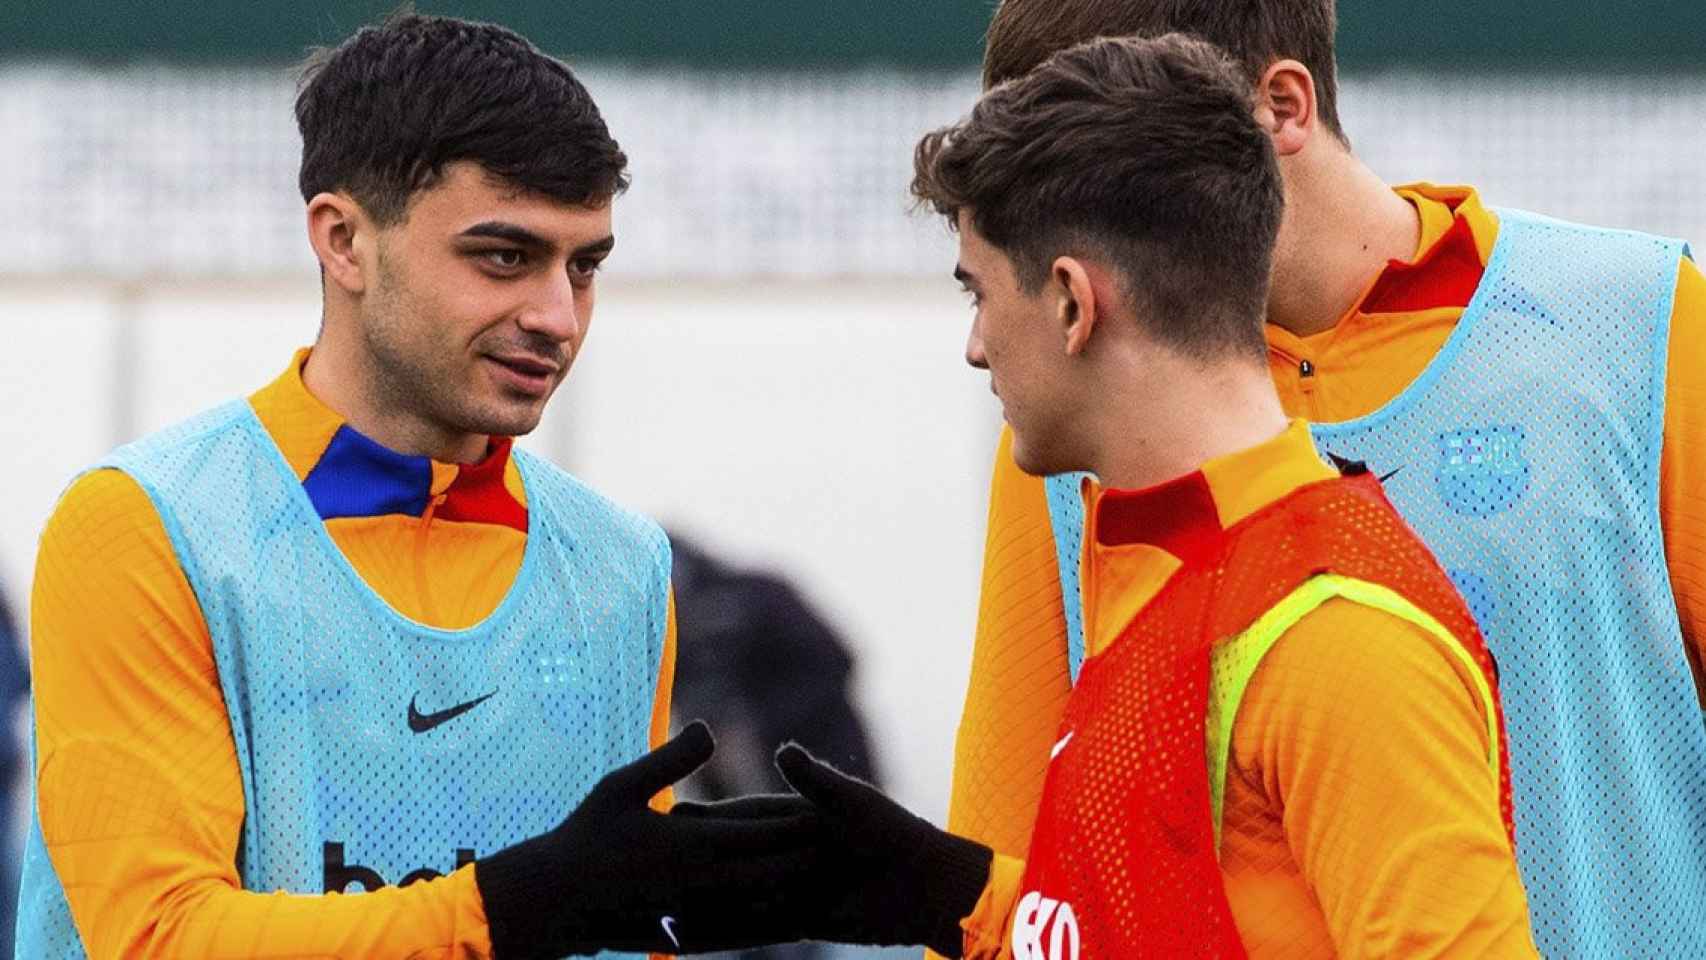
[(1178, 516), (478, 494), (1445, 276)]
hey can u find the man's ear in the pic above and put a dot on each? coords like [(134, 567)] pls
[(1077, 309), (1285, 105), (342, 236)]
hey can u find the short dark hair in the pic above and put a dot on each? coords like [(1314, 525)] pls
[(1024, 33), (385, 112), (1141, 152)]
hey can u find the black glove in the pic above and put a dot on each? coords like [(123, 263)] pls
[(889, 878), (617, 875)]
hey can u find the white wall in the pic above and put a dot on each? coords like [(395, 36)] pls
[(825, 429), (56, 407), (143, 169), (828, 430)]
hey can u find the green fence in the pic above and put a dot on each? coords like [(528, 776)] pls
[(1576, 35)]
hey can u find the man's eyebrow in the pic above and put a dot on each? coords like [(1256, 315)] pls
[(964, 276), (499, 230), (593, 249)]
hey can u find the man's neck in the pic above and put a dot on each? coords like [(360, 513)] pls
[(1206, 411), (1343, 225), (336, 377)]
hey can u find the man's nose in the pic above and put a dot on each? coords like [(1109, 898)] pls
[(555, 313), (974, 350)]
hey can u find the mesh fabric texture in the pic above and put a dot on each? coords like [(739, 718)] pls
[(1527, 457), (1125, 843), (1066, 519), (326, 686)]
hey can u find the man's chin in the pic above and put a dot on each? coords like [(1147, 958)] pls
[(516, 427), (1038, 462), (1043, 459), (512, 422)]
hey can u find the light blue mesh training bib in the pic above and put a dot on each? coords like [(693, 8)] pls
[(1527, 457), (374, 750), (1065, 492)]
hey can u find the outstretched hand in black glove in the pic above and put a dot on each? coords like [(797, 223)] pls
[(886, 877), (617, 875)]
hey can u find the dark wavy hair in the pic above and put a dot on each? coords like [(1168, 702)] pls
[(1141, 153), (383, 113)]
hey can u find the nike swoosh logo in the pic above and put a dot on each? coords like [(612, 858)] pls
[(422, 722), (1058, 747), (669, 928), (1342, 464)]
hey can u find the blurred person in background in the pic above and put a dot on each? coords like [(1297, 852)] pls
[(763, 668), (1533, 393), (339, 636)]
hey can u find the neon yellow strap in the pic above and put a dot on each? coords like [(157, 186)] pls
[(1234, 663)]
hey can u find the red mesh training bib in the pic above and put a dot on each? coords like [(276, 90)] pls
[(1123, 861)]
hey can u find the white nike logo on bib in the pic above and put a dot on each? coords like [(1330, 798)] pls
[(669, 928)]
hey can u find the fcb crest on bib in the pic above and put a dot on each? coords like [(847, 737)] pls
[(1482, 471)]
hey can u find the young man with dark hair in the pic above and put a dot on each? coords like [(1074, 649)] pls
[(339, 636), (1116, 211), (1534, 394)]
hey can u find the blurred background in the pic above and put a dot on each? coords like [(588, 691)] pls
[(775, 370)]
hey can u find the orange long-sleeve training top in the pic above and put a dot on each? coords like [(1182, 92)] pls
[(1331, 846), (1020, 680), (138, 788)]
